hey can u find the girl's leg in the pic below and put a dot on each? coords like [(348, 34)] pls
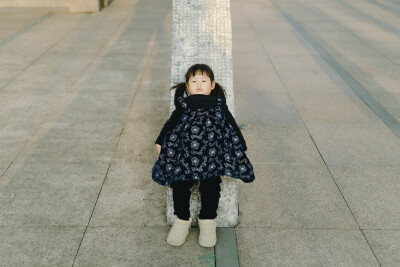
[(181, 196), (209, 190)]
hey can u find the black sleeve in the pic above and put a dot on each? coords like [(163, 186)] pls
[(171, 123), (232, 121)]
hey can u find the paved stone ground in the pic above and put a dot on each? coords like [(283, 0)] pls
[(83, 97)]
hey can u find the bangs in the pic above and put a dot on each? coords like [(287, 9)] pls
[(199, 69)]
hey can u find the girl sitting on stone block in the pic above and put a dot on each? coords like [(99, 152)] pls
[(200, 142)]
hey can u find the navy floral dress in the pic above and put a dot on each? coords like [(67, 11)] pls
[(201, 146)]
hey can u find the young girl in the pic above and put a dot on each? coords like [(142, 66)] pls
[(200, 142)]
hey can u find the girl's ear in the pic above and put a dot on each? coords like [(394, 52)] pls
[(213, 85)]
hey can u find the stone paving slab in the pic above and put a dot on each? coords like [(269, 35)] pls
[(261, 107), (3, 164), (15, 22), (39, 39), (303, 247), (104, 132), (123, 246), (370, 64), (10, 148), (356, 62), (280, 144), (372, 193), (320, 108), (24, 207), (383, 81), (25, 175), (385, 244), (141, 151), (356, 144), (313, 81), (254, 82), (296, 63), (39, 246), (345, 131), (384, 88), (130, 198), (76, 150), (41, 97), (354, 47), (369, 12), (288, 196)]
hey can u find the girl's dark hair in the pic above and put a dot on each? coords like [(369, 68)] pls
[(180, 88)]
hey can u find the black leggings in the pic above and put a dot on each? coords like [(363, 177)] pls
[(209, 190)]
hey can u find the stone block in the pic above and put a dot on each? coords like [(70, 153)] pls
[(84, 5), (202, 33)]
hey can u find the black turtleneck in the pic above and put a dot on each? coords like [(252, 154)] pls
[(195, 102)]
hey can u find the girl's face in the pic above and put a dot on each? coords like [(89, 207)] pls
[(200, 84)]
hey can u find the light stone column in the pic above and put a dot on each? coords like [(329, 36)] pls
[(202, 33), (84, 5)]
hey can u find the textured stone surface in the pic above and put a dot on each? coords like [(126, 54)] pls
[(39, 246), (84, 5), (48, 194), (202, 33), (372, 193), (386, 245), (136, 246), (303, 247), (351, 144), (130, 198), (288, 196)]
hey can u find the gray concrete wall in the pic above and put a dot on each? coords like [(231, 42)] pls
[(73, 5), (34, 3), (85, 5)]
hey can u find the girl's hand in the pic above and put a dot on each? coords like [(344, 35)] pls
[(158, 147)]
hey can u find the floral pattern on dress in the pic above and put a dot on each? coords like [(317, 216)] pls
[(201, 146)]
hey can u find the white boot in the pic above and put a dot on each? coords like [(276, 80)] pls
[(208, 235), (179, 231)]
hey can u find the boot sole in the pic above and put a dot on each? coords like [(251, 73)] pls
[(207, 246), (175, 244)]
